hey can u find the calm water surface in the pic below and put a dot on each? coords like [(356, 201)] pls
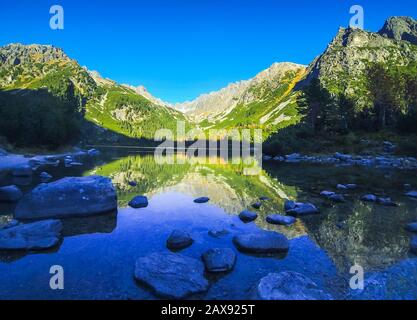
[(98, 254)]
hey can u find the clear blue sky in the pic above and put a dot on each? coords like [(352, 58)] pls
[(179, 49)]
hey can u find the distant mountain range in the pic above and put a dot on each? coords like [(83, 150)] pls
[(267, 101)]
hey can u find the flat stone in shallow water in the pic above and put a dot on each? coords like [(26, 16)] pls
[(262, 242), (289, 286), (248, 216), (139, 202), (10, 194), (171, 276), (369, 198), (34, 236), (179, 240), (303, 209), (219, 260), (280, 219), (68, 197), (202, 200)]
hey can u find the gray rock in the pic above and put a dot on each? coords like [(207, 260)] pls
[(257, 205), (386, 202), (219, 260), (280, 220), (412, 194), (337, 198), (45, 176), (202, 200), (34, 236), (352, 186), (289, 205), (10, 194), (93, 153), (342, 187), (262, 242), (179, 240), (248, 216), (139, 202), (303, 209), (171, 276), (68, 197), (22, 171), (369, 198), (289, 286), (412, 227), (327, 194)]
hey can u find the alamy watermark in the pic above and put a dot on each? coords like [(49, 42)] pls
[(57, 280), (357, 21), (207, 147), (57, 20)]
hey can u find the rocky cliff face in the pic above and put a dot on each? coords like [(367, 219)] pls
[(341, 68), (400, 28)]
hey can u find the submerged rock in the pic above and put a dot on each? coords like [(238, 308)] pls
[(412, 227), (202, 200), (34, 236), (289, 286), (179, 240), (303, 209), (68, 197), (248, 216), (22, 171), (280, 220), (369, 198), (219, 260), (10, 194), (342, 187), (139, 202), (262, 242), (170, 275), (218, 232)]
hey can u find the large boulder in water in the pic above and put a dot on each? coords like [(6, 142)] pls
[(289, 286), (68, 197), (34, 236), (170, 275)]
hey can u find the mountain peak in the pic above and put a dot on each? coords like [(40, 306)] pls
[(400, 28)]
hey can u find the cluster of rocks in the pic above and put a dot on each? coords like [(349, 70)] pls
[(176, 276), (383, 161), (65, 198)]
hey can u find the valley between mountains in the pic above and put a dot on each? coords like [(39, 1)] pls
[(48, 100)]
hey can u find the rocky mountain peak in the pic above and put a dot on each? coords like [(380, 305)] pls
[(16, 53), (400, 28)]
